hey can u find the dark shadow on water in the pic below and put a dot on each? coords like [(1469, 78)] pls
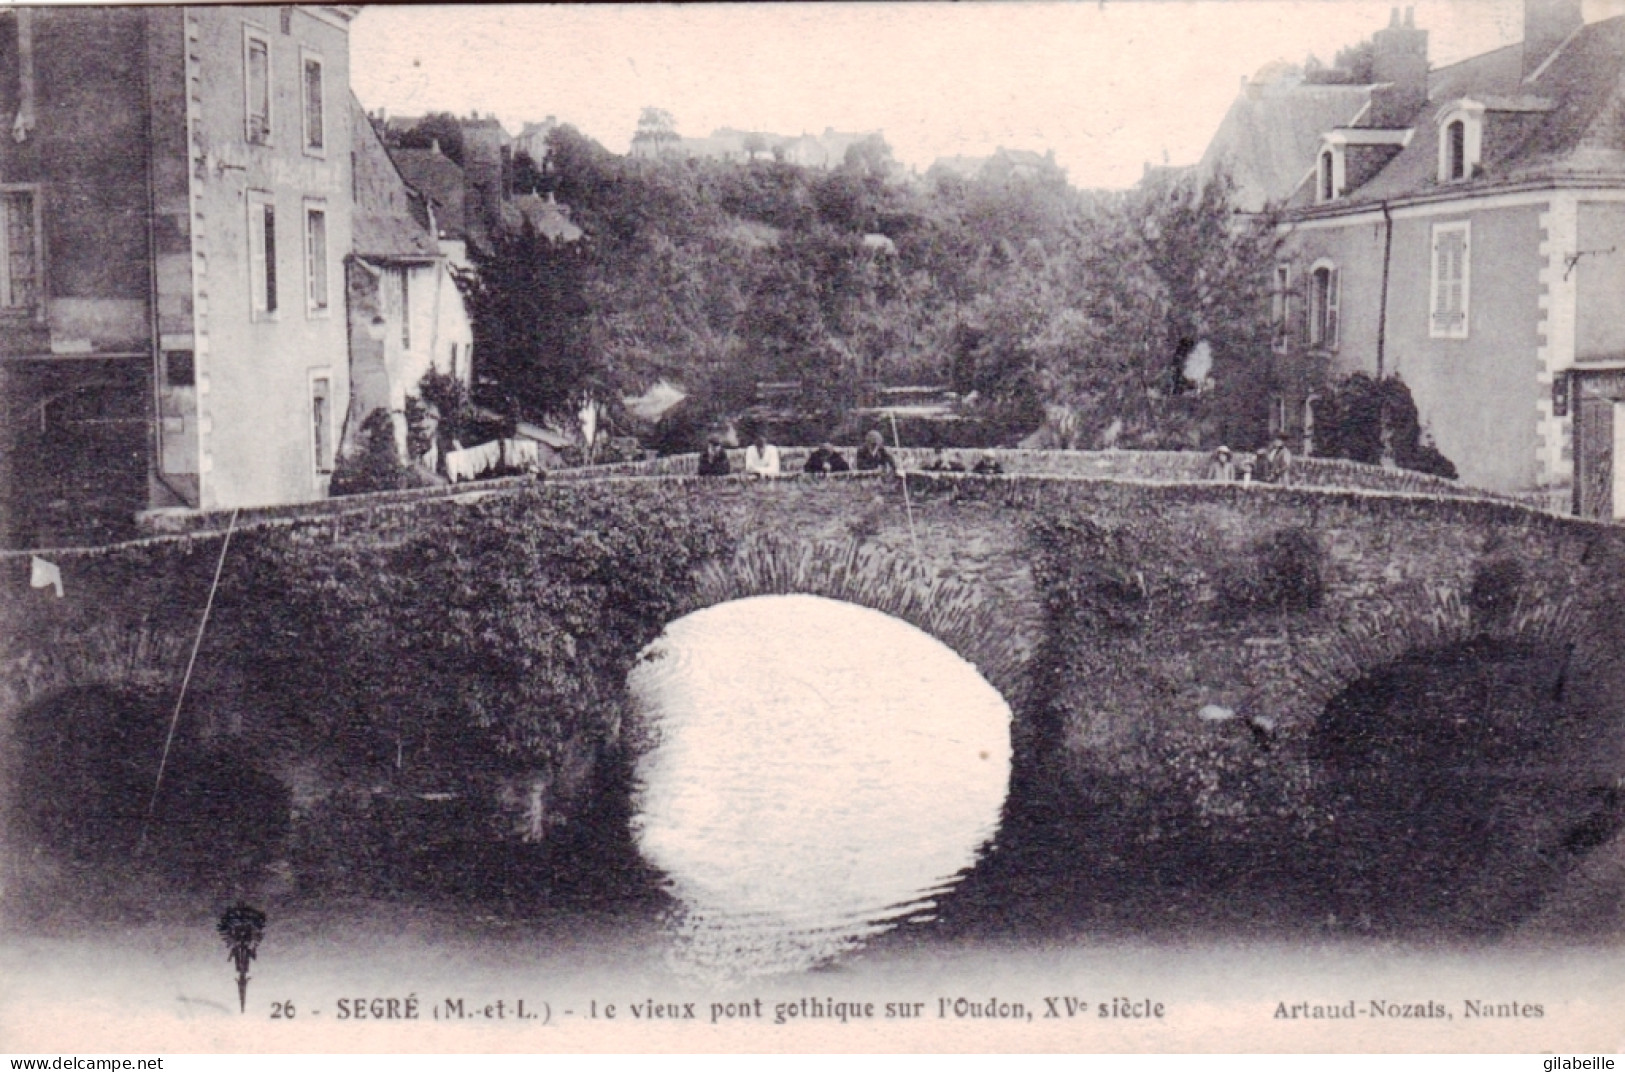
[(82, 770), (1448, 815), (447, 851)]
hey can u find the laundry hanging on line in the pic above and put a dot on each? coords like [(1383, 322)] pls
[(473, 462), (44, 574)]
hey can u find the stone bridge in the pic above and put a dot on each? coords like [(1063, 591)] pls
[(1300, 671)]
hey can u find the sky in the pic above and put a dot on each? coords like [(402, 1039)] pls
[(1108, 85)]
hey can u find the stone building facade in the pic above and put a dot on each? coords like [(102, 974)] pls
[(1467, 233), (177, 189)]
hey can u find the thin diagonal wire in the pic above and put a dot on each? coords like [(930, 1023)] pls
[(908, 504), (175, 719)]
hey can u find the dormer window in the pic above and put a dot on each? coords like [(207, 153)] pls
[(1331, 168), (1455, 151), (1461, 140)]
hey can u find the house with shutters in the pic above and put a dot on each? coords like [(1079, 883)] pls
[(405, 309), (176, 186), (210, 269), (1465, 231)]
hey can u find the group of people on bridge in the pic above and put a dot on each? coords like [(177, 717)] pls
[(762, 459), (1272, 465)]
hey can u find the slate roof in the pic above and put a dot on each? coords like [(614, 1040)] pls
[(434, 175), (1568, 122), (545, 214), (383, 225), (1271, 136)]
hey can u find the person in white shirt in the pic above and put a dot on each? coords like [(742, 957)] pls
[(761, 457)]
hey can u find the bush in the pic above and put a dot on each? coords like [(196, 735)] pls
[(377, 465), (1375, 421), (1086, 575)]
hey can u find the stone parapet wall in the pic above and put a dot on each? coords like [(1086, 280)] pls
[(1148, 465)]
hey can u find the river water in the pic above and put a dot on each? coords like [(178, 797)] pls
[(810, 774)]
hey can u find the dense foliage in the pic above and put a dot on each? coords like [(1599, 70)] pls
[(1141, 315), (376, 464), (1375, 421), (485, 637), (528, 305), (436, 128)]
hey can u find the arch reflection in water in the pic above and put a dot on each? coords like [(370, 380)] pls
[(810, 772)]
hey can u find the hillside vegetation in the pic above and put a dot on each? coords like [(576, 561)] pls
[(1138, 318)]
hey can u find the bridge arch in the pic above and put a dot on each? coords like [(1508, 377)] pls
[(1409, 623), (981, 624)]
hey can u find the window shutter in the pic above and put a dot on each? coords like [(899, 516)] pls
[(1449, 285), (256, 257), (321, 418), (1442, 273), (315, 135), (1333, 285), (269, 258), (1281, 310), (259, 91), (19, 251), (316, 258), (1461, 281)]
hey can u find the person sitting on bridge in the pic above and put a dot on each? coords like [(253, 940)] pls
[(825, 460), (761, 457), (873, 454), (942, 462), (1220, 467), (988, 465), (713, 459)]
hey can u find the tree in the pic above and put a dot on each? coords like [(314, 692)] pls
[(869, 156), (530, 318), (1354, 66), (656, 132), (527, 178), (440, 128)]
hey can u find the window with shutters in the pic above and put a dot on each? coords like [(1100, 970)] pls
[(315, 103), (321, 420), (406, 309), (1451, 280), (1324, 285), (316, 259), (1281, 308), (256, 86), (262, 255), (21, 255)]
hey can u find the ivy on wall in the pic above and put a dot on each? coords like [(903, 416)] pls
[(484, 638)]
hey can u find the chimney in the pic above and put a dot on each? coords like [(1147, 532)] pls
[(1399, 65), (1546, 25)]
